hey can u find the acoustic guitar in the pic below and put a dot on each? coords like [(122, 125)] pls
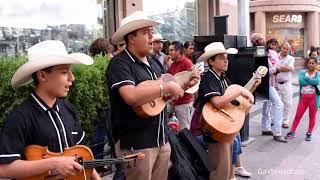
[(83, 156), (154, 107), (223, 124)]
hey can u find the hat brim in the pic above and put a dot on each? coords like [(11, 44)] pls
[(23, 74), (118, 36), (205, 56), (160, 40)]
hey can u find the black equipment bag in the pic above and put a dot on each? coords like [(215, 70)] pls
[(187, 163), (196, 151)]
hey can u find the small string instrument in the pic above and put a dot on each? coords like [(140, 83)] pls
[(223, 124), (154, 107), (83, 156)]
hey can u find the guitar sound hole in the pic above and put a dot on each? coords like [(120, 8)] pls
[(235, 103)]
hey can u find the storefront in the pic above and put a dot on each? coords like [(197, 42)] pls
[(295, 21), (287, 27)]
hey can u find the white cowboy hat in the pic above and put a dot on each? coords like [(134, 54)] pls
[(131, 23), (46, 54), (214, 49), (158, 37)]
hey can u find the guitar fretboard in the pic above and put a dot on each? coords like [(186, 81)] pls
[(101, 162)]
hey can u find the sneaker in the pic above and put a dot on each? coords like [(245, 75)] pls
[(279, 139), (290, 135), (308, 137), (241, 171)]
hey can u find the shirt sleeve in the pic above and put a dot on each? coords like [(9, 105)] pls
[(291, 63), (13, 138), (119, 73)]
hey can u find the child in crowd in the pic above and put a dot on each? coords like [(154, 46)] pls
[(309, 79)]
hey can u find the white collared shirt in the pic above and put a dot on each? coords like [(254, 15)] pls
[(285, 61)]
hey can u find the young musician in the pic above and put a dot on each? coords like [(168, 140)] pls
[(43, 119), (126, 70), (212, 89)]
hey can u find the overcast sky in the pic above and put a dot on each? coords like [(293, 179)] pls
[(39, 13)]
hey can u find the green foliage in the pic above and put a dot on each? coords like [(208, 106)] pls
[(88, 92), (10, 97)]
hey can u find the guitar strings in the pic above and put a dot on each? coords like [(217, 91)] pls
[(102, 162)]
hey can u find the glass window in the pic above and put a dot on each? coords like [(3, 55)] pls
[(291, 35), (25, 23), (178, 17)]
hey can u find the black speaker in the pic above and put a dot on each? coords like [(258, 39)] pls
[(221, 25)]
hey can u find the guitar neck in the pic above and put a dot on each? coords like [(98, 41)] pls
[(183, 78), (250, 83), (100, 162)]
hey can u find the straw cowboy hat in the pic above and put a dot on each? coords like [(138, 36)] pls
[(158, 37), (131, 23), (45, 54), (214, 49)]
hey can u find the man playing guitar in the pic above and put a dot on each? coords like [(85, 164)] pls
[(212, 89), (43, 119), (125, 71)]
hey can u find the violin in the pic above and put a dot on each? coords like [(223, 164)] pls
[(83, 156)]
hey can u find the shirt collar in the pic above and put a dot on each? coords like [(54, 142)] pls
[(221, 77), (42, 104), (135, 59)]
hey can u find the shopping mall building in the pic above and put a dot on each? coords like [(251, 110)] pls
[(294, 21)]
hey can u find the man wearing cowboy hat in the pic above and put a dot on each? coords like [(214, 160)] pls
[(124, 73), (212, 87), (157, 50), (43, 119)]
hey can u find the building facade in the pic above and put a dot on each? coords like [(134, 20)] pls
[(198, 14), (293, 21)]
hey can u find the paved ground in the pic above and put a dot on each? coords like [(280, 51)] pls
[(270, 160)]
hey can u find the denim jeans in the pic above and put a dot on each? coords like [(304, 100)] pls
[(275, 104), (236, 150)]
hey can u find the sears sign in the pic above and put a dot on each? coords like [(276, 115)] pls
[(287, 18)]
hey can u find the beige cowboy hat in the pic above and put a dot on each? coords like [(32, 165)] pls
[(46, 54), (131, 23), (158, 37), (214, 49)]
